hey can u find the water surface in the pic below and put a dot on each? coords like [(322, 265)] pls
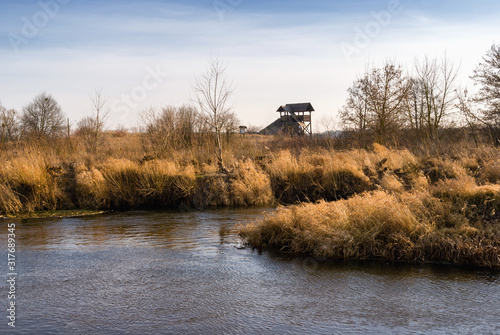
[(187, 273)]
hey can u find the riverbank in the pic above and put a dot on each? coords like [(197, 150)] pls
[(410, 227), (53, 214), (373, 203), (388, 204), (43, 179)]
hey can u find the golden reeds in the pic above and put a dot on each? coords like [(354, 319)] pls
[(375, 225), (29, 182), (312, 177)]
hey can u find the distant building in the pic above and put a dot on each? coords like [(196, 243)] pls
[(295, 119)]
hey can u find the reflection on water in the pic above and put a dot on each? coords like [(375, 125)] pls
[(186, 273)]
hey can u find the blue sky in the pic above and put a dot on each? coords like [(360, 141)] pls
[(147, 53)]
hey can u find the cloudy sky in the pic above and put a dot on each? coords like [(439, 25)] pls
[(147, 53)]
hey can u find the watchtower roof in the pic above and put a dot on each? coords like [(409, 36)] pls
[(296, 108)]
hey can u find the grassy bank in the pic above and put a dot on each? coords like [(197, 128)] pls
[(262, 171), (35, 182), (377, 202), (403, 208), (412, 227)]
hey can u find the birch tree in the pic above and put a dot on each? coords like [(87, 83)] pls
[(212, 94)]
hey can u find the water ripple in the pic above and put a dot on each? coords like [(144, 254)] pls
[(183, 273)]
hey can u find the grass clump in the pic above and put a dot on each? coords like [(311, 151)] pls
[(29, 183), (246, 185), (251, 186), (313, 177), (156, 183), (91, 189), (377, 225)]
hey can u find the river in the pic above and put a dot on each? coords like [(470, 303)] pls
[(187, 273)]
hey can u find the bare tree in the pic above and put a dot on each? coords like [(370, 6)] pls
[(212, 92), (354, 114), (8, 125), (487, 75), (377, 101), (168, 128), (186, 124), (43, 117), (432, 95), (91, 128), (467, 108), (157, 130), (387, 89)]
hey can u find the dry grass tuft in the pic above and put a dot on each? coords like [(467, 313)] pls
[(91, 189), (491, 172), (391, 183), (251, 186), (247, 186), (9, 201), (30, 183), (314, 177), (375, 225), (156, 183)]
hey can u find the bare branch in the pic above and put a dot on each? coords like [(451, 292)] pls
[(212, 93)]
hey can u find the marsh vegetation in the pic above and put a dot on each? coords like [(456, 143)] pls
[(401, 182)]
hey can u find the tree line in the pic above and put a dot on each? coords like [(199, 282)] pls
[(208, 117), (387, 100), (382, 103)]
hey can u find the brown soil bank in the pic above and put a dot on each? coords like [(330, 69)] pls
[(413, 227)]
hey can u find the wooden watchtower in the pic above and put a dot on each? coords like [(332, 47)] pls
[(296, 118)]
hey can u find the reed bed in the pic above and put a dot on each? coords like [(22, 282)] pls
[(37, 180), (403, 207), (379, 225), (30, 182), (314, 176), (262, 171), (389, 203)]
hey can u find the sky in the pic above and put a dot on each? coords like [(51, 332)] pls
[(144, 54)]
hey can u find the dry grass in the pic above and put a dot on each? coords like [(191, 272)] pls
[(91, 189), (376, 225), (247, 185), (263, 170), (156, 183), (251, 186), (30, 182), (314, 176), (409, 208)]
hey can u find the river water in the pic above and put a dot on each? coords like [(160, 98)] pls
[(187, 273)]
